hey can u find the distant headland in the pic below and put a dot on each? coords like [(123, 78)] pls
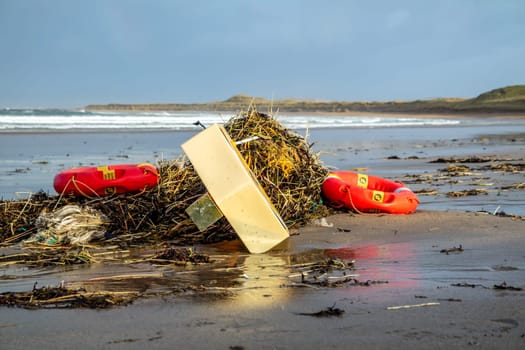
[(508, 100)]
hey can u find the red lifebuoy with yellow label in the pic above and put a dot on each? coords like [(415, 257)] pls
[(368, 194), (108, 179)]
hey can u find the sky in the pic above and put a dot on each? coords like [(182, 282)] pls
[(71, 53)]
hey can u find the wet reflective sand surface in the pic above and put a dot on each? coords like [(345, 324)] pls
[(433, 279), (429, 279)]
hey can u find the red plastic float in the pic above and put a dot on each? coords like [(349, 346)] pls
[(368, 194), (109, 179)]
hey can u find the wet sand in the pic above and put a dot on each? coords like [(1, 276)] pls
[(423, 291), (266, 307)]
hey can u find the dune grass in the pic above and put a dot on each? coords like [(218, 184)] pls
[(506, 100)]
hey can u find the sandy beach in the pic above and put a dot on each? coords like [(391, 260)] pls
[(449, 275), (417, 297)]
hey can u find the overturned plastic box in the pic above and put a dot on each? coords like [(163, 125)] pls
[(235, 190)]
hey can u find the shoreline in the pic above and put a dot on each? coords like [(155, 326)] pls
[(415, 115), (277, 112)]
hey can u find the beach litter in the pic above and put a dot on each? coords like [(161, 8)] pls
[(281, 170), (46, 230), (70, 224), (282, 161), (235, 190)]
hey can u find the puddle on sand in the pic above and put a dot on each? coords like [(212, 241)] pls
[(256, 280), (233, 274)]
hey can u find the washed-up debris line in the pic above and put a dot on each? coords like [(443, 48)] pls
[(471, 176), (453, 250), (328, 312), (179, 256), (332, 272), (502, 286), (470, 192), (48, 256), (281, 160), (325, 273), (43, 255), (457, 167), (473, 159), (505, 286), (63, 297)]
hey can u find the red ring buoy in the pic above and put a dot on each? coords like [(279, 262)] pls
[(109, 179), (368, 194)]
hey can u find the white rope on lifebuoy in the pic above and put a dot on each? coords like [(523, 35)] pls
[(401, 189)]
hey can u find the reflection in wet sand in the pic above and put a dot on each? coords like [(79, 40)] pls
[(263, 276), (394, 263), (233, 275)]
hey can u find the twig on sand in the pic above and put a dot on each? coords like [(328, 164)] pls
[(412, 306), (505, 286), (452, 250), (328, 312)]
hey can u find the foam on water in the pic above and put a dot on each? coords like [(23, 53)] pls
[(16, 120), (63, 120)]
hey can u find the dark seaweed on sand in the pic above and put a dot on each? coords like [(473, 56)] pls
[(172, 255), (328, 312), (49, 256), (62, 297)]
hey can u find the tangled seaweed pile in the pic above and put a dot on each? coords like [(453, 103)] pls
[(64, 298), (283, 163), (281, 160)]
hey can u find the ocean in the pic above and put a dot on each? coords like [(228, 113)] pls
[(45, 120)]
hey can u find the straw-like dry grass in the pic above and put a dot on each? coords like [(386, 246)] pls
[(282, 161), (61, 297)]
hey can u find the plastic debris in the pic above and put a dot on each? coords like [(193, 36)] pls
[(70, 224)]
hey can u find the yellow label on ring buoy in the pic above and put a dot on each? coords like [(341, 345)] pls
[(362, 180), (378, 196), (107, 174)]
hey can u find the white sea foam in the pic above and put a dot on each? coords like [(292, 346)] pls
[(13, 120)]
